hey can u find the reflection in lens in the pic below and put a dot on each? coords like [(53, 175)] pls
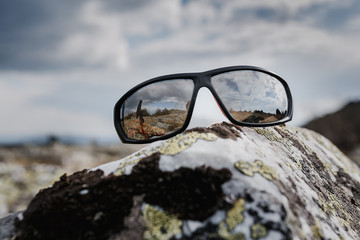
[(156, 109), (251, 96)]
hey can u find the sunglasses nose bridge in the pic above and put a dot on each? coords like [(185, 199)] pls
[(203, 81)]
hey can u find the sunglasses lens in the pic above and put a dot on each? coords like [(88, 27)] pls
[(251, 96), (156, 109)]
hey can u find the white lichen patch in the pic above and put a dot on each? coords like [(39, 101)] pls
[(124, 166), (172, 146)]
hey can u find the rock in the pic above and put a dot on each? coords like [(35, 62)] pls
[(7, 228), (342, 128), (221, 182)]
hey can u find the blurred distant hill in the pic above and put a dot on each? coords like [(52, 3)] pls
[(342, 128)]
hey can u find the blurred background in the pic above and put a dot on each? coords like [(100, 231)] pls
[(64, 64)]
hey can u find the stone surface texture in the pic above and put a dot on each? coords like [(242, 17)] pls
[(221, 182)]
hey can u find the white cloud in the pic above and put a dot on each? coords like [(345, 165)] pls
[(354, 24), (98, 39), (152, 19), (263, 39)]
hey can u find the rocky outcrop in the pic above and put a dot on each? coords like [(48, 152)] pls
[(221, 182), (342, 128)]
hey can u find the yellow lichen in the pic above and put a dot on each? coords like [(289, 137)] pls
[(332, 205), (316, 229), (328, 167), (234, 217), (160, 225), (133, 159), (225, 234), (258, 231), (183, 141), (257, 167), (271, 135), (266, 132), (296, 162), (295, 223), (121, 168), (289, 165), (286, 142)]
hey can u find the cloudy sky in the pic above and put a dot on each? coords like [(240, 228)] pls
[(64, 64)]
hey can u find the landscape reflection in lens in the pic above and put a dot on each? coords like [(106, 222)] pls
[(251, 96), (156, 109)]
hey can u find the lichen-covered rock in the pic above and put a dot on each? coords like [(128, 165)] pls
[(221, 182)]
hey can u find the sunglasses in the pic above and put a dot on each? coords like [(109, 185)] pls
[(161, 107)]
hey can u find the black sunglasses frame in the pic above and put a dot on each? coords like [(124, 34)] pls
[(200, 79)]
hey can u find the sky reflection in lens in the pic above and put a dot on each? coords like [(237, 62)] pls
[(171, 94), (250, 91)]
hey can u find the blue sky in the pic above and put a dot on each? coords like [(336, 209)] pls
[(64, 64)]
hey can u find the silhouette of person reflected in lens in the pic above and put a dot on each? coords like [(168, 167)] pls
[(187, 106), (139, 112)]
